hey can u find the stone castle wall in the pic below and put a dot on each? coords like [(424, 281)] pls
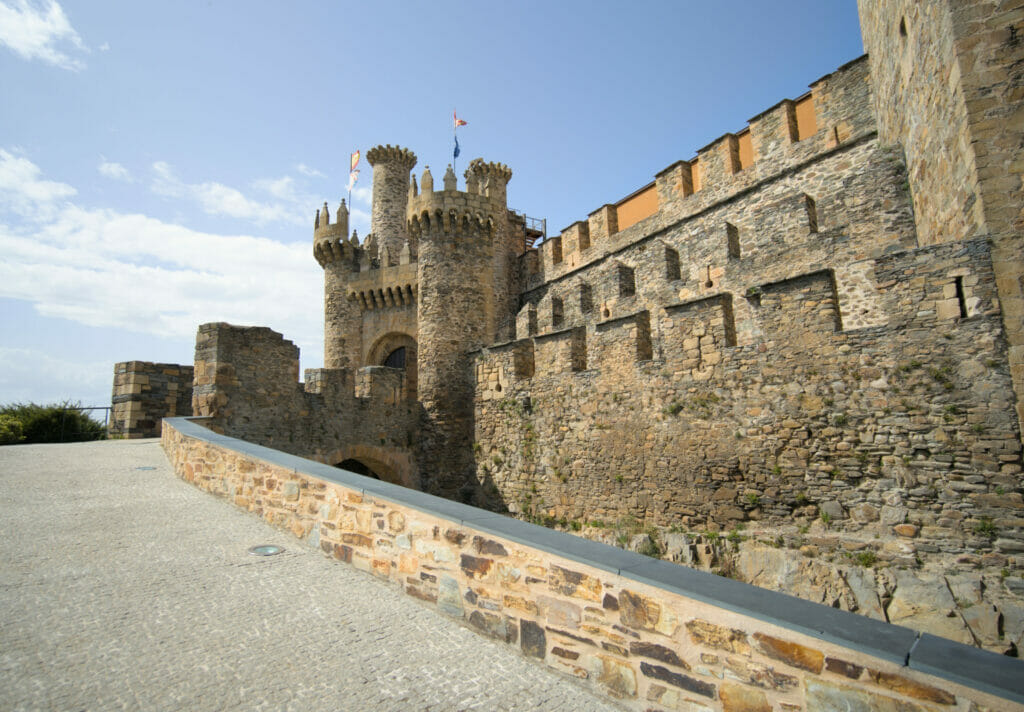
[(246, 384), (778, 344), (816, 323), (948, 78), (910, 421), (144, 394)]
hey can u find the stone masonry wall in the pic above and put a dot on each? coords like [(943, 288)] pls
[(145, 393), (948, 78), (909, 421), (247, 385), (647, 646), (918, 103)]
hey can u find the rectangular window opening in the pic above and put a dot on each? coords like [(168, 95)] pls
[(586, 299), (732, 238), (961, 299), (672, 271), (557, 315), (627, 281), (812, 214)]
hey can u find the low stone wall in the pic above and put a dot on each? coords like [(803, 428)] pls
[(652, 634)]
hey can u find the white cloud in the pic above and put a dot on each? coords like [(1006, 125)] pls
[(34, 30), (219, 199), (113, 170), (280, 188), (30, 375), (104, 268), (362, 194), (310, 172), (22, 189), (105, 47)]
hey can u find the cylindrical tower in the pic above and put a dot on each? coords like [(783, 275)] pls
[(455, 306), (342, 317), (491, 181), (391, 167)]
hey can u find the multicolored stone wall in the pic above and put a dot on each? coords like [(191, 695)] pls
[(705, 426), (146, 392), (652, 635), (843, 117)]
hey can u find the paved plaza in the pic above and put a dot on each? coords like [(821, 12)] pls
[(122, 587)]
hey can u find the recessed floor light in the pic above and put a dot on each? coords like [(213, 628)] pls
[(146, 467), (266, 550)]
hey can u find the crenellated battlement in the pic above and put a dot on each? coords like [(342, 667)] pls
[(476, 211), (401, 158), (384, 287), (330, 240), (836, 112)]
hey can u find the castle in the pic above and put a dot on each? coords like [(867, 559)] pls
[(816, 320)]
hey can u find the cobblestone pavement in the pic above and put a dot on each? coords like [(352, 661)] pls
[(122, 587)]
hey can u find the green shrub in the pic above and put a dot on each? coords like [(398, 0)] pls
[(11, 431), (52, 423)]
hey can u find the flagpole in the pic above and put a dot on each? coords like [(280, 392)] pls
[(455, 139)]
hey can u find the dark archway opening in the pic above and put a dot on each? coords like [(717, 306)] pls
[(357, 467), (396, 359)]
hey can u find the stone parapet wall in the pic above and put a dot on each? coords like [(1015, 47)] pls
[(146, 392), (843, 117), (649, 634), (804, 221)]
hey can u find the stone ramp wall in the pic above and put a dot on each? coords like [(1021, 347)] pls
[(144, 393), (654, 635)]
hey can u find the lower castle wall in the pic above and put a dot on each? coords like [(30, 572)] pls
[(911, 422), (247, 385), (643, 632), (144, 393)]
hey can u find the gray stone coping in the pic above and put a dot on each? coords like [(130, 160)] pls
[(979, 669)]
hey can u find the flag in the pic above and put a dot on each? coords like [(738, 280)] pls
[(354, 161), (458, 122), (456, 153), (353, 177)]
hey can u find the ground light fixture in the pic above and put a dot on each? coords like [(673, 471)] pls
[(265, 550)]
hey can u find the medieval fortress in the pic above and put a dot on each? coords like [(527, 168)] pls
[(813, 328)]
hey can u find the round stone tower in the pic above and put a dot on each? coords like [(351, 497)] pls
[(491, 180), (391, 167), (338, 256), (456, 235)]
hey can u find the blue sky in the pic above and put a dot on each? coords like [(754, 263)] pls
[(161, 163)]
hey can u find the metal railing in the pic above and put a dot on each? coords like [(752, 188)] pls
[(534, 225), (78, 408)]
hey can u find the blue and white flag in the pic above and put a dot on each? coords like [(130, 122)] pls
[(456, 153)]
